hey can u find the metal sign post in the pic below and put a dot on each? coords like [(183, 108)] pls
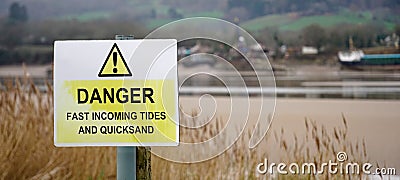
[(126, 155), (126, 162)]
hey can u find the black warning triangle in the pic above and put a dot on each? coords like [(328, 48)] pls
[(114, 65)]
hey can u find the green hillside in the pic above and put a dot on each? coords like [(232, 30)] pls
[(267, 21), (154, 23), (324, 21), (292, 22)]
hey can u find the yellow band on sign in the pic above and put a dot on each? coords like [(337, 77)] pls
[(116, 111)]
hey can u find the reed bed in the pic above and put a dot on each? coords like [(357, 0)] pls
[(27, 150)]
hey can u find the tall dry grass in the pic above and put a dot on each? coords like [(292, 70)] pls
[(27, 150), (26, 138), (319, 145)]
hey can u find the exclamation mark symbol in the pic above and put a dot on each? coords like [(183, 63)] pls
[(115, 70)]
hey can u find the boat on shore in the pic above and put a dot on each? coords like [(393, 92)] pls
[(358, 60)]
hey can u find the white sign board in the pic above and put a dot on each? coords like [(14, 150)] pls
[(116, 93)]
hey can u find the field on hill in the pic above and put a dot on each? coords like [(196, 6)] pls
[(294, 22)]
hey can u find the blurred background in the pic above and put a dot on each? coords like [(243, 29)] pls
[(300, 38), (336, 64)]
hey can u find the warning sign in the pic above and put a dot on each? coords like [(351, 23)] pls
[(115, 64), (116, 93)]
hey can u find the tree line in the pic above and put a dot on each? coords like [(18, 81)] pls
[(26, 41), (330, 40), (32, 42)]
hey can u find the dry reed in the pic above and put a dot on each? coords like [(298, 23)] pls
[(27, 150)]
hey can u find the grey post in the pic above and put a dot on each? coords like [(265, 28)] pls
[(126, 155), (132, 160), (126, 162)]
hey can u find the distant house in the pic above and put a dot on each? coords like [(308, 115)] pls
[(309, 50), (198, 48)]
